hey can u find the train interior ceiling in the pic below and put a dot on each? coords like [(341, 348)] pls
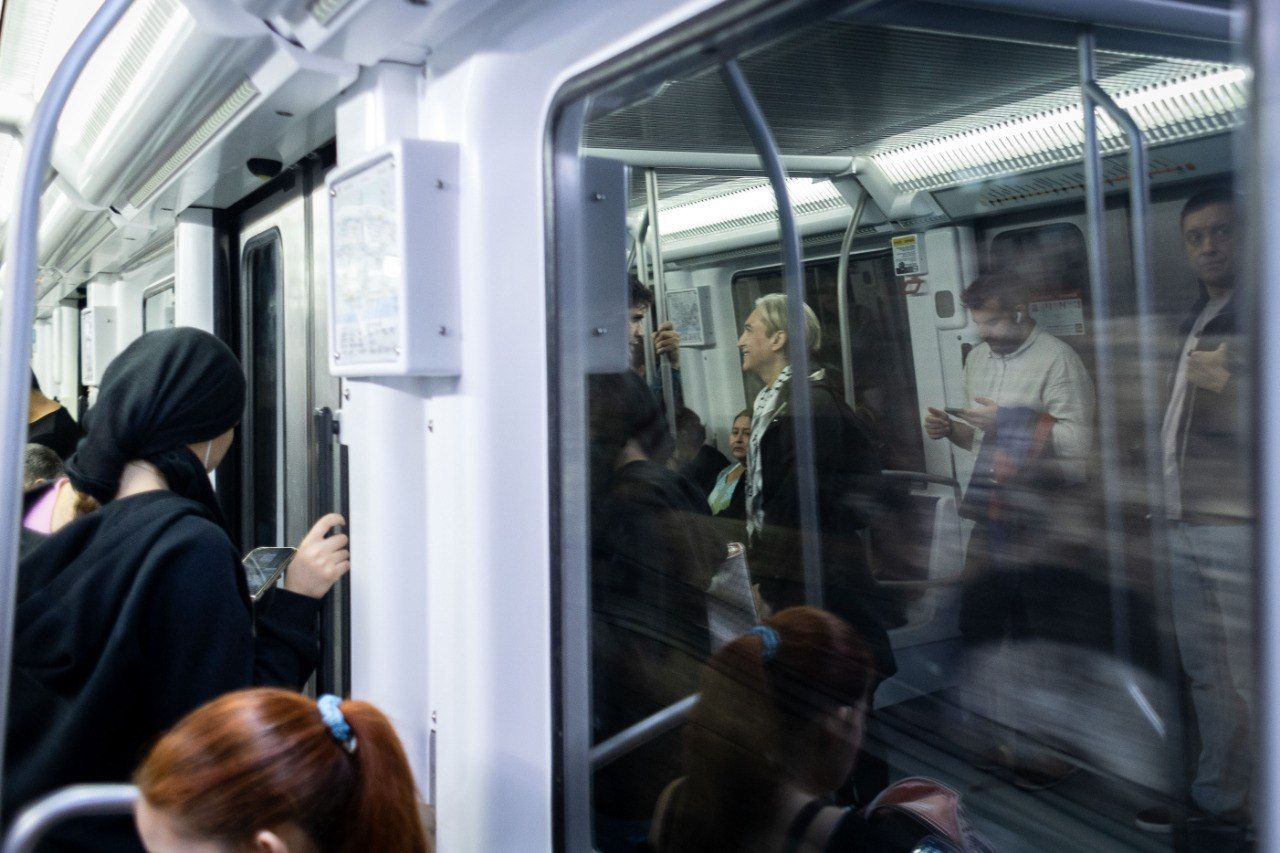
[(959, 127)]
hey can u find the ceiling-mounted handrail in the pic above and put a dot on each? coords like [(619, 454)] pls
[(35, 821), (842, 301), (1140, 246), (702, 162), (18, 316), (797, 350)]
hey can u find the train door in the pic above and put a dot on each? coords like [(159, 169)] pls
[(292, 466)]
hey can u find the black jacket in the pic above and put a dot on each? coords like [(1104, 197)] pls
[(1213, 434), (654, 552), (57, 431), (127, 619), (849, 491)]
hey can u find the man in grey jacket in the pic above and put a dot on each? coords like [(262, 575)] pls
[(1207, 503)]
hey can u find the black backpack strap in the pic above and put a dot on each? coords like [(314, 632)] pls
[(800, 825)]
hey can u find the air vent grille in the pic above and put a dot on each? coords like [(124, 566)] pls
[(147, 33)]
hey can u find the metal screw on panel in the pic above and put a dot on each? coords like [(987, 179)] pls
[(333, 193), (396, 350), (599, 331), (431, 426), (337, 356), (439, 184), (597, 196), (346, 393), (444, 331)]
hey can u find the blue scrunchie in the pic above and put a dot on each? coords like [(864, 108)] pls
[(769, 640), (338, 726)]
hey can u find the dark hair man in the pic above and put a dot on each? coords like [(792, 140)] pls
[(1208, 507), (666, 340)]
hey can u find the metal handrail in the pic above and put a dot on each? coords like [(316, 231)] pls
[(18, 317), (660, 295), (35, 821), (842, 300), (1108, 417), (1140, 247), (798, 352), (636, 736), (919, 477)]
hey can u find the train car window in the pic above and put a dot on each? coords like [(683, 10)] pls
[(1020, 559), (262, 426), (158, 308)]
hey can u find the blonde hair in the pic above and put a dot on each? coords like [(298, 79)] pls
[(773, 310)]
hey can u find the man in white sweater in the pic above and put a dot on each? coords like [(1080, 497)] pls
[(1021, 550)]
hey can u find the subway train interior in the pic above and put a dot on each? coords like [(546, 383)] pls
[(560, 182)]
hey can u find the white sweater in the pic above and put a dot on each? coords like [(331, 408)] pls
[(1046, 375)]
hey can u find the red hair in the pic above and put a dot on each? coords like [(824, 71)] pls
[(754, 717), (262, 758)]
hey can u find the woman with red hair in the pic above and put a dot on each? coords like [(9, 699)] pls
[(276, 772)]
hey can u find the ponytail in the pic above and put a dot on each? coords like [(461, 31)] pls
[(263, 758), (384, 811)]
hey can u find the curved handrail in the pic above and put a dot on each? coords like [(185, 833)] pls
[(18, 315), (634, 737), (35, 821), (793, 274)]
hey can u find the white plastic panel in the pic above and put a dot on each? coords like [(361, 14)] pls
[(394, 263), (97, 341)]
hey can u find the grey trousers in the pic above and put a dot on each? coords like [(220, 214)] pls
[(1212, 587)]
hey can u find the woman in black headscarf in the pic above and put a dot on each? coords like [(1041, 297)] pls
[(137, 613)]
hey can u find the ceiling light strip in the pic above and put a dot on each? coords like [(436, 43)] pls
[(324, 10), (1188, 107), (215, 121)]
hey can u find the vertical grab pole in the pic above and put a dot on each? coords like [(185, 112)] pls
[(801, 394), (1140, 247), (18, 315), (1102, 320), (659, 295), (842, 301), (1264, 228)]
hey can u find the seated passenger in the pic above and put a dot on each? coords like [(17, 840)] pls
[(137, 613), (846, 478), (775, 733), (654, 552), (50, 424), (274, 771), (49, 502), (728, 498), (693, 457)]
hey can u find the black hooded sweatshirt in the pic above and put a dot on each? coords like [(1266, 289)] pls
[(136, 614)]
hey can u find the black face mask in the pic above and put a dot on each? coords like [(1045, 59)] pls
[(166, 390)]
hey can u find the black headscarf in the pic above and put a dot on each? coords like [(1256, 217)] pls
[(167, 389)]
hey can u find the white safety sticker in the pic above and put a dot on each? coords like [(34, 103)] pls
[(1059, 317), (908, 255)]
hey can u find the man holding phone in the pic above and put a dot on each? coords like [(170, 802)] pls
[(1035, 389), (1018, 364)]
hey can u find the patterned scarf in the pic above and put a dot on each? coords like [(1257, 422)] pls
[(768, 404)]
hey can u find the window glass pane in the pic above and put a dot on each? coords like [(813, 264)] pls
[(158, 310), (1028, 567), (262, 276)]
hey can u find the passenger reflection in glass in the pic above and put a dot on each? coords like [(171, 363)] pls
[(846, 480), (1207, 502), (728, 497), (654, 554), (1028, 415), (696, 460), (665, 339)]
